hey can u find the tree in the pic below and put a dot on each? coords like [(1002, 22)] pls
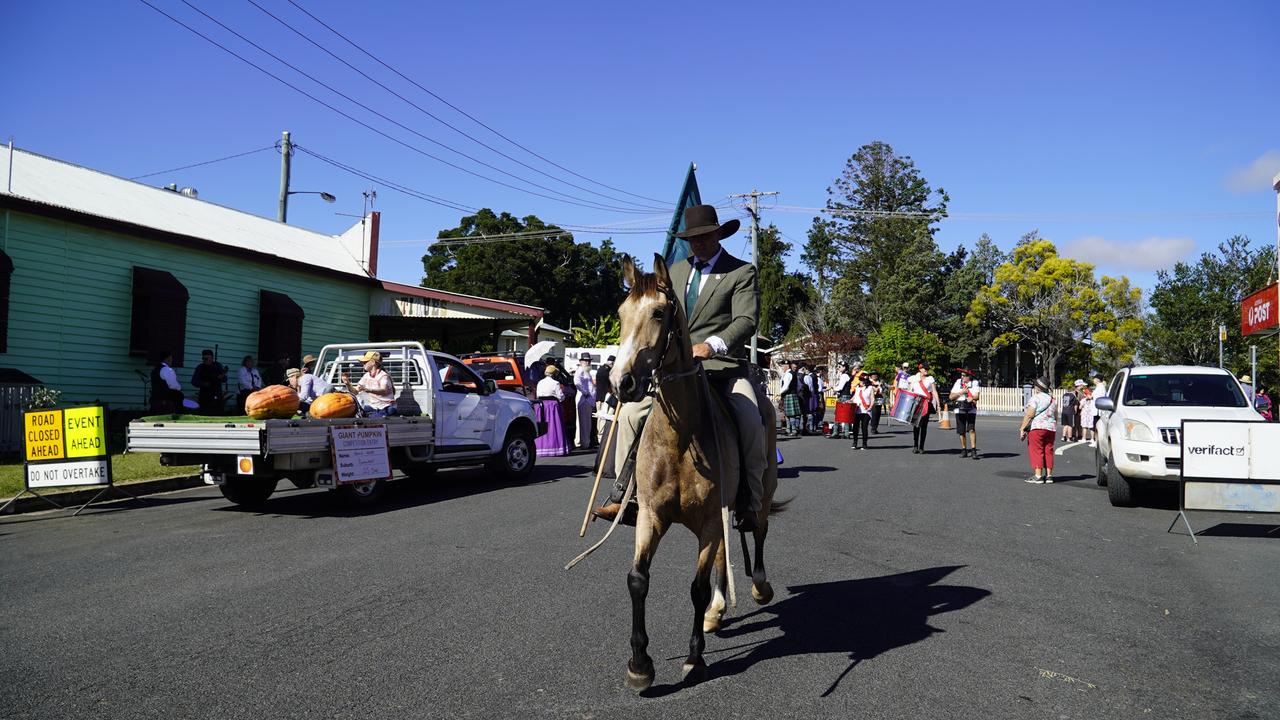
[(893, 343), (1116, 342), (881, 240), (1047, 301), (782, 294), (1189, 302), (821, 256), (566, 278), (604, 331)]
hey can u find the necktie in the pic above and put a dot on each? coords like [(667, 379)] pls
[(695, 284)]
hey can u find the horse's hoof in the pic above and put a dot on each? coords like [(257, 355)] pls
[(711, 623), (762, 593), (639, 682), (695, 673)]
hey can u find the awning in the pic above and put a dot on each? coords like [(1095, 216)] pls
[(279, 327), (158, 321)]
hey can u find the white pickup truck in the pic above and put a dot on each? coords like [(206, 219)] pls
[(447, 415), (1140, 422)]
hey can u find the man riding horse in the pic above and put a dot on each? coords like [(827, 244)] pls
[(719, 295)]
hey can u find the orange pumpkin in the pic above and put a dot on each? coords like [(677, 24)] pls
[(333, 405), (276, 401)]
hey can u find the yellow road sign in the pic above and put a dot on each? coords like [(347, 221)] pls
[(44, 433)]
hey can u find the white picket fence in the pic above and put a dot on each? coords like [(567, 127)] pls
[(994, 400)]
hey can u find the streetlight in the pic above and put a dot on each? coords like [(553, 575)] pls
[(327, 197)]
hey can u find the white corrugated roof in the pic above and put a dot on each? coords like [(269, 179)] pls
[(53, 182)]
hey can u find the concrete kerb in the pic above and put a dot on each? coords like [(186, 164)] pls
[(72, 498)]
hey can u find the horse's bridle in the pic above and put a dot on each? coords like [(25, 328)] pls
[(671, 333)]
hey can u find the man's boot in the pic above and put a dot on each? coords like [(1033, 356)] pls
[(613, 505)]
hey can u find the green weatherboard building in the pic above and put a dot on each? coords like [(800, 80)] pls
[(99, 274)]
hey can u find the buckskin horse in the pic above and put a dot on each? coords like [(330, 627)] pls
[(678, 464)]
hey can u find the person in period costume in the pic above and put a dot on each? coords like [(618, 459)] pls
[(792, 407), (964, 400), (208, 378), (584, 381), (721, 299), (922, 383)]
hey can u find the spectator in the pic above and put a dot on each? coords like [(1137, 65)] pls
[(1070, 408), (207, 379), (808, 394), (964, 398), (584, 381), (248, 381), (166, 391), (309, 386), (1088, 413), (878, 408), (864, 398), (922, 383), (819, 401), (1246, 383), (1099, 387), (376, 394), (1039, 431)]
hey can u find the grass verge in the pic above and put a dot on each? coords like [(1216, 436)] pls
[(125, 469)]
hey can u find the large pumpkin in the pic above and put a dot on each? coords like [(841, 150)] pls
[(276, 401), (333, 405)]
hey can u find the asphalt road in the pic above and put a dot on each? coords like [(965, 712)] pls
[(908, 587)]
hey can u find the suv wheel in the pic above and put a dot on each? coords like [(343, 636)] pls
[(1101, 466), (1120, 490)]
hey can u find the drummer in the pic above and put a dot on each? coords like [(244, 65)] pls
[(922, 383), (844, 393)]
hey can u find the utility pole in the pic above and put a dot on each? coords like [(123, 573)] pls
[(286, 152), (754, 209), (1222, 336)]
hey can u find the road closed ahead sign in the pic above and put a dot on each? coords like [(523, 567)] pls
[(66, 447)]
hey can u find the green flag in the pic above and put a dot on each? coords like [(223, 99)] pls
[(674, 249)]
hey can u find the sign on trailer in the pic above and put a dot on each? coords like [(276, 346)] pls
[(360, 453), (1230, 466)]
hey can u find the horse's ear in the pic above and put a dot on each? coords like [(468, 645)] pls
[(628, 271), (660, 270)]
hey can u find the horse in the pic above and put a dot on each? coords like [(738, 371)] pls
[(678, 470)]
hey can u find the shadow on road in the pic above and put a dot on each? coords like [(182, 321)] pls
[(793, 472), (1243, 530), (861, 619), (403, 494)]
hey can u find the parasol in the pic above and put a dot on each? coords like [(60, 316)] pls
[(538, 351)]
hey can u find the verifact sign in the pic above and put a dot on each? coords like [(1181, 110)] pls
[(1260, 312)]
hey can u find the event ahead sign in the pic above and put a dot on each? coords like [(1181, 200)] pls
[(66, 447)]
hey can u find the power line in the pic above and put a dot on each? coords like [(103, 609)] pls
[(464, 113), (438, 119), (366, 125), (1023, 217), (206, 162)]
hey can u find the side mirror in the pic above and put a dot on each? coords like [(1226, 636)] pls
[(1105, 403), (490, 387)]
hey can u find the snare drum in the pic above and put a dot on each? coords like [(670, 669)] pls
[(907, 406), (844, 412)]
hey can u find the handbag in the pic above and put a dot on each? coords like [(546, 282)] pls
[(1026, 428)]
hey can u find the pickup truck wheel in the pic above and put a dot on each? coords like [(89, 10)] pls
[(363, 494), (1120, 490), (247, 491), (1101, 468), (517, 457)]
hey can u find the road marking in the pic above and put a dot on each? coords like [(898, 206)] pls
[(1068, 446), (1051, 675)]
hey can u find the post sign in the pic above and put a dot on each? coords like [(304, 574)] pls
[(360, 453), (1231, 466), (66, 446), (1260, 312)]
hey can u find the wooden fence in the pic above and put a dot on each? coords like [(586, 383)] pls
[(13, 398)]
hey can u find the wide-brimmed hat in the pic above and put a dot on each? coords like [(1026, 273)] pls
[(1078, 383), (308, 359), (1246, 379), (701, 220), (373, 355), (906, 364), (292, 373), (1041, 383), (965, 371)]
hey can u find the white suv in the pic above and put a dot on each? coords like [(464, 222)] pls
[(1140, 422)]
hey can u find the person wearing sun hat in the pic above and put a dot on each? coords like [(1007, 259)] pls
[(1039, 427), (1246, 384), (376, 394)]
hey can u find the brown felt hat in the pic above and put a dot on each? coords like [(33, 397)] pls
[(701, 220)]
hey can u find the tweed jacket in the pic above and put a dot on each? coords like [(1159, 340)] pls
[(728, 305)]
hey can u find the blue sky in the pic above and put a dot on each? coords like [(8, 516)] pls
[(1132, 134)]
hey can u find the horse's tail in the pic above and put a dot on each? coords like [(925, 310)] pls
[(777, 507)]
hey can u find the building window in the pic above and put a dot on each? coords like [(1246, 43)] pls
[(158, 323), (279, 328), (6, 274)]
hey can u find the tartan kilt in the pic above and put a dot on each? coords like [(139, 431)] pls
[(791, 405)]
